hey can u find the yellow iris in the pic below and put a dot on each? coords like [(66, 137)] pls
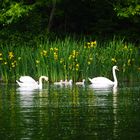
[(77, 67), (125, 47), (5, 63), (13, 64), (129, 62), (51, 49), (37, 61), (55, 56), (93, 44), (55, 49), (89, 62), (61, 60), (11, 55), (44, 53), (114, 60)]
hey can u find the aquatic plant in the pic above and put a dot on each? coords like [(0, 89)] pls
[(68, 59)]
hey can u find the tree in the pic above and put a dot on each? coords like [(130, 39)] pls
[(101, 17), (12, 11), (127, 8)]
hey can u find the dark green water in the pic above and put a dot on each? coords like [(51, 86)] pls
[(69, 113)]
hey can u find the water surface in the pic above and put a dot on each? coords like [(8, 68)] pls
[(69, 113)]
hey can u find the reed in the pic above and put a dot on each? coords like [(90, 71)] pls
[(68, 59)]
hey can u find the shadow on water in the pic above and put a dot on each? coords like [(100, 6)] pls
[(69, 112)]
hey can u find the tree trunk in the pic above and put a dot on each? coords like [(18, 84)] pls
[(51, 15)]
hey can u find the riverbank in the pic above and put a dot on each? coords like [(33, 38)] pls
[(68, 58)]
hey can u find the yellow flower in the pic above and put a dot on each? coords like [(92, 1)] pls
[(129, 62), (125, 47), (93, 44), (44, 53), (70, 67), (11, 55), (1, 58), (51, 49), (74, 53), (90, 58), (70, 57), (5, 63), (13, 64), (77, 67), (37, 61), (61, 60), (55, 49), (55, 56), (89, 62), (0, 54), (114, 60), (19, 58)]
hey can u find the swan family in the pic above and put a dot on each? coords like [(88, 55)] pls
[(61, 82), (97, 82), (66, 82)]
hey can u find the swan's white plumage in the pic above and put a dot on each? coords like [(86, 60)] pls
[(105, 82), (80, 83), (67, 82), (58, 83), (101, 80), (27, 81)]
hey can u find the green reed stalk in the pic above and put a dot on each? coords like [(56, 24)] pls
[(68, 59)]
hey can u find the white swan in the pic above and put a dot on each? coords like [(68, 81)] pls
[(103, 82), (66, 82), (58, 83), (27, 81), (80, 83)]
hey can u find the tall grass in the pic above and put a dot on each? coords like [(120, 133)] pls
[(69, 59)]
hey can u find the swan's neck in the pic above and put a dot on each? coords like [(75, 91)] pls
[(41, 79), (115, 78), (40, 82)]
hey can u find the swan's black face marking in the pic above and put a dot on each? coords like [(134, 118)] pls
[(116, 68)]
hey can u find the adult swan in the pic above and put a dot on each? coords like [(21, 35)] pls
[(27, 81), (103, 82)]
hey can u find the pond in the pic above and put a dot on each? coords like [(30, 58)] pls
[(69, 113)]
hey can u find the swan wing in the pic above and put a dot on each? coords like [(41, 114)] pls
[(27, 79), (101, 80), (27, 84), (22, 84)]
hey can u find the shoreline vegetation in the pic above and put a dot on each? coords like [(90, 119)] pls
[(69, 58)]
